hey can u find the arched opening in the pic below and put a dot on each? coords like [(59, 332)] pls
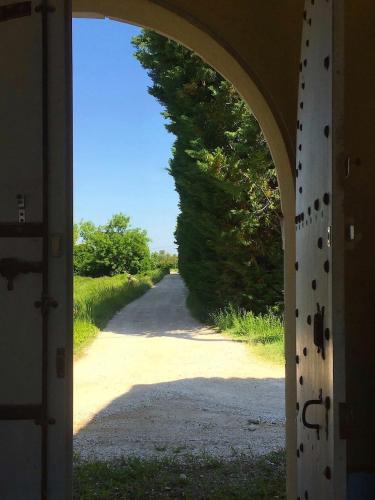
[(210, 48)]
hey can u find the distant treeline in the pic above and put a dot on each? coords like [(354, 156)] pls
[(228, 232), (115, 248)]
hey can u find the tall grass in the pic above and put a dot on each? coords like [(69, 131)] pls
[(265, 332), (96, 300)]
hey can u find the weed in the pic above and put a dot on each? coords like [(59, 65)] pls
[(96, 300), (265, 332), (195, 478)]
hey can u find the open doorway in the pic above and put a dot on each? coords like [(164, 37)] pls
[(185, 389)]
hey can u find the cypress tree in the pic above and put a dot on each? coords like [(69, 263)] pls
[(228, 230)]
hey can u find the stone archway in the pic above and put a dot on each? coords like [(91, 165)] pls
[(211, 47)]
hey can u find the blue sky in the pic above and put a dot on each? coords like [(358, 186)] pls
[(121, 148)]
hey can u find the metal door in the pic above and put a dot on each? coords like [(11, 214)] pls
[(35, 249), (319, 270)]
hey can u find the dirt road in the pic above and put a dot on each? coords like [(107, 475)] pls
[(156, 382)]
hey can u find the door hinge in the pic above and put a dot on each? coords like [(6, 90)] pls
[(15, 10), (10, 268)]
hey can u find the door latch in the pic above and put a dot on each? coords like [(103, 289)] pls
[(319, 329)]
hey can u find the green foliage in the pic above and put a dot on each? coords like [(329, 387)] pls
[(228, 232), (264, 332), (194, 478), (96, 300), (111, 249), (164, 260)]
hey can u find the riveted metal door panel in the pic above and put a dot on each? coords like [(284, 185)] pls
[(35, 248), (319, 333)]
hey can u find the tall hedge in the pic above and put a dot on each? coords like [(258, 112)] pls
[(228, 231)]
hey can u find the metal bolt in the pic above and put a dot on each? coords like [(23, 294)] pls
[(327, 472)]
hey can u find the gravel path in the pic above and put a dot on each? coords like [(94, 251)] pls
[(156, 382)]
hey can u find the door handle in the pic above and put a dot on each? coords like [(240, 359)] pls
[(308, 403)]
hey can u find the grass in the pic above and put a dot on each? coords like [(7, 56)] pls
[(265, 333), (96, 300), (195, 478)]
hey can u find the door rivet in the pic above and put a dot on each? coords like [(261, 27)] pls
[(326, 266), (309, 319), (327, 472), (297, 359), (326, 198), (313, 284), (320, 243), (301, 380), (305, 351)]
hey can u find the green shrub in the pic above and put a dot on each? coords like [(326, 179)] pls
[(111, 249), (265, 332)]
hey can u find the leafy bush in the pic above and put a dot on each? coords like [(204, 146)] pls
[(111, 249)]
